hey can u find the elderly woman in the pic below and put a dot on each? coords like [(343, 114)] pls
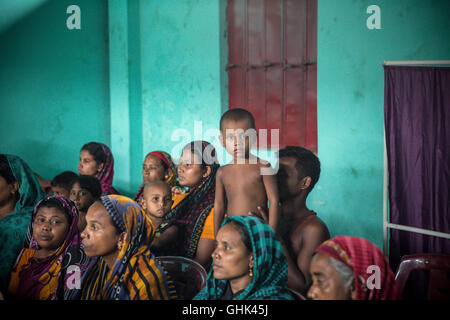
[(248, 263), (53, 261), (19, 193), (351, 268), (97, 160), (117, 237), (193, 211)]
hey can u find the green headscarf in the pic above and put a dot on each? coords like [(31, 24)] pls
[(269, 271), (13, 227)]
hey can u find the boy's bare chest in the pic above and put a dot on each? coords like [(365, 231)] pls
[(241, 177)]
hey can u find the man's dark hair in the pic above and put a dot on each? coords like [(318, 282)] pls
[(64, 180), (237, 114), (307, 163)]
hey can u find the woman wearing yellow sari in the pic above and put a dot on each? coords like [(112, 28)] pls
[(51, 266), (118, 238)]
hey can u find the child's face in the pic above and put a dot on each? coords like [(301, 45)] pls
[(50, 227), (81, 197), (88, 166), (157, 200), (60, 191), (153, 169), (236, 139)]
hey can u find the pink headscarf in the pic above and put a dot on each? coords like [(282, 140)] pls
[(106, 175), (359, 254)]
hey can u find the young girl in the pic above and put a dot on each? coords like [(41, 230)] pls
[(52, 265), (158, 165), (97, 160), (84, 191), (157, 202)]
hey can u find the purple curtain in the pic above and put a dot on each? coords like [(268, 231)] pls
[(417, 124)]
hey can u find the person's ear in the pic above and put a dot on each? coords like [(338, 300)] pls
[(122, 238), (305, 183), (100, 167), (353, 290), (143, 204), (14, 187), (207, 172), (167, 173)]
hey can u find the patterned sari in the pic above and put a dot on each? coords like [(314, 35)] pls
[(269, 271), (358, 254), (136, 275), (13, 227), (190, 214), (55, 276)]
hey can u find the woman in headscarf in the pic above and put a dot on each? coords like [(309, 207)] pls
[(118, 238), (19, 193), (193, 211), (52, 264), (97, 160), (351, 268), (158, 165), (248, 263)]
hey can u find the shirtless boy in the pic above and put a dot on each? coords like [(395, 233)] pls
[(240, 185)]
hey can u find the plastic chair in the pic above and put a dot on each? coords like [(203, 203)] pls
[(189, 276), (438, 266), (297, 295)]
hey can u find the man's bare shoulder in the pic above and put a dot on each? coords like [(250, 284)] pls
[(312, 226)]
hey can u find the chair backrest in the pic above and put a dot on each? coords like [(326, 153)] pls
[(438, 266), (297, 295), (188, 275)]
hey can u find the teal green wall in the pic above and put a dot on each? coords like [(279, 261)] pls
[(351, 100), (136, 71), (180, 71), (54, 85), (140, 69)]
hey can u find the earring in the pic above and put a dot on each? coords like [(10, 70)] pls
[(250, 273), (119, 246)]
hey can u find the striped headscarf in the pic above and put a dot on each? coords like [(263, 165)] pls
[(167, 161), (359, 254), (136, 274), (190, 214), (269, 270), (53, 277)]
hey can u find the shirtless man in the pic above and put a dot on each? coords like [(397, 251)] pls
[(300, 230), (240, 185)]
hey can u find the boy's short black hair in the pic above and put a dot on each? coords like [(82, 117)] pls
[(90, 183), (307, 163), (237, 114), (64, 180), (5, 170)]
